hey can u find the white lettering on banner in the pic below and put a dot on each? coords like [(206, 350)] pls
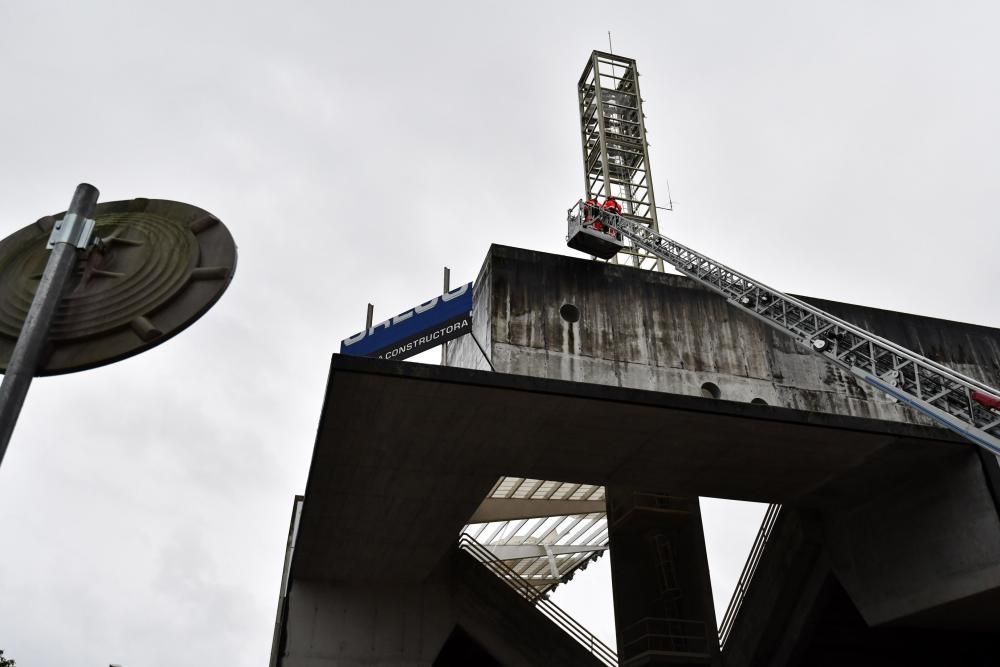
[(351, 340), (427, 338), (402, 316), (424, 307), (448, 296)]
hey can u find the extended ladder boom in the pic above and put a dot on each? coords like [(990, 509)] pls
[(960, 403)]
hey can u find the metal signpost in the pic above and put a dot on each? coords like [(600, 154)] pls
[(68, 236), (100, 283)]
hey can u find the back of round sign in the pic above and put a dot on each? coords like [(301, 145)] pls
[(158, 267)]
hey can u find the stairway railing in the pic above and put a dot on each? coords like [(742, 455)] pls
[(749, 569), (553, 612)]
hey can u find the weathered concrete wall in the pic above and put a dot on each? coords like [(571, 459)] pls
[(472, 351), (337, 626), (663, 332), (355, 625)]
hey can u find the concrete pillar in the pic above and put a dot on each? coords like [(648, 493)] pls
[(664, 612)]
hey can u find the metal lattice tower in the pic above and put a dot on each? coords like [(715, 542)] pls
[(615, 151)]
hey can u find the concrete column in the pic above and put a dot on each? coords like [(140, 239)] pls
[(664, 612)]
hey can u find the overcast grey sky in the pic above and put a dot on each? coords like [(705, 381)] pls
[(843, 150)]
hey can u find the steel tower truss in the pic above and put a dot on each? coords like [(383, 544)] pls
[(615, 151)]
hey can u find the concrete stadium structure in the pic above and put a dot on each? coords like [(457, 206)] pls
[(641, 384)]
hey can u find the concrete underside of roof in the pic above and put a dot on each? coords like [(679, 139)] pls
[(405, 454), (797, 613), (459, 615)]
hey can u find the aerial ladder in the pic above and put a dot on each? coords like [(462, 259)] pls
[(960, 403)]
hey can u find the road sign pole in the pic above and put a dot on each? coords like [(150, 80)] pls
[(68, 235)]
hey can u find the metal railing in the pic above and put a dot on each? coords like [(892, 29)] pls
[(749, 569), (675, 636), (549, 609)]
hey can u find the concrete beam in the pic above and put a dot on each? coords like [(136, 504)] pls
[(510, 509)]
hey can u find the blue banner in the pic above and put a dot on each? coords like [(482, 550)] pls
[(437, 321)]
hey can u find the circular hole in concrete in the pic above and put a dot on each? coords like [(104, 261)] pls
[(759, 401), (710, 390), (569, 312)]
